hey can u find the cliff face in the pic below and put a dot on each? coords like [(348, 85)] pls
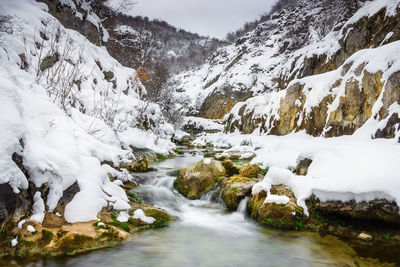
[(333, 92), (264, 59)]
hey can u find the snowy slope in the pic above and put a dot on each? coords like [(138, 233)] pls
[(66, 116), (254, 64)]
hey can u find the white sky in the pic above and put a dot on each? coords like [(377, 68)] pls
[(207, 17)]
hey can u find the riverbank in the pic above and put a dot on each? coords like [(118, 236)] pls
[(205, 234)]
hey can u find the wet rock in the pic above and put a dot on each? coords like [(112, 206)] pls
[(235, 189), (364, 236), (379, 210), (230, 167), (199, 178), (249, 170), (288, 215)]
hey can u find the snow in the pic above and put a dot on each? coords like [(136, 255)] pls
[(207, 161), (247, 155), (21, 223), (14, 242), (343, 168), (31, 229), (66, 144), (38, 208), (283, 200), (123, 216), (139, 214)]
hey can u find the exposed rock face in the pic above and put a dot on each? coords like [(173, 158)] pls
[(354, 108), (236, 188), (217, 104), (68, 19), (279, 215), (376, 211), (199, 178), (331, 114)]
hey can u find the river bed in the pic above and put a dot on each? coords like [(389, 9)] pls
[(205, 234)]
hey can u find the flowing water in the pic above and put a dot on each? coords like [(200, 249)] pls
[(204, 234)]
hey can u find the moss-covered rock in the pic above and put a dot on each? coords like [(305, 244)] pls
[(230, 167), (288, 215), (249, 170), (141, 165), (235, 189), (199, 178)]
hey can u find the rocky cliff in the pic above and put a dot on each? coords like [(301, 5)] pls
[(326, 67)]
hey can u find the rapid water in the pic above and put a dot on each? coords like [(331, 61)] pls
[(204, 234)]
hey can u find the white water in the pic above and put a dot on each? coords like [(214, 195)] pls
[(204, 234)]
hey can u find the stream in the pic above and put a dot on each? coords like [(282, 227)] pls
[(205, 234)]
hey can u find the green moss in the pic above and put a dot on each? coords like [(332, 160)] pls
[(299, 225), (386, 236), (27, 244), (269, 221), (110, 235), (235, 157), (6, 234), (129, 185), (162, 218), (133, 197), (160, 158), (179, 151), (46, 238), (121, 225), (61, 233), (70, 245), (264, 171)]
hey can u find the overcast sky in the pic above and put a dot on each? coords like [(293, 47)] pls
[(207, 17)]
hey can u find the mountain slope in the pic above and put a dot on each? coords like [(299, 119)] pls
[(67, 107)]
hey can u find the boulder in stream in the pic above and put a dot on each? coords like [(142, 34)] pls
[(199, 178), (235, 189)]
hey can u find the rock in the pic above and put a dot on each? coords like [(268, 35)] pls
[(235, 189), (49, 61), (231, 168), (288, 216), (364, 236), (221, 101), (140, 165), (249, 170), (108, 75), (199, 178), (378, 210), (302, 166)]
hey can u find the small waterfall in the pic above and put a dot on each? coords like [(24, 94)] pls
[(243, 207)]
